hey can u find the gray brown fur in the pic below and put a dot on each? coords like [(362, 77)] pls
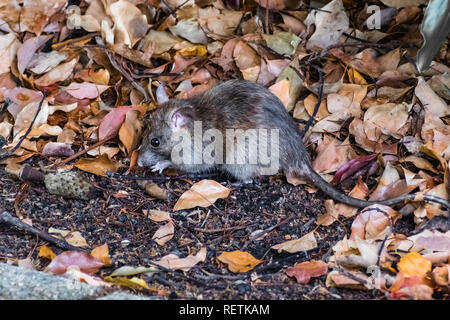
[(243, 105)]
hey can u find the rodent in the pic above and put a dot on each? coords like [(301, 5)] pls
[(238, 104)]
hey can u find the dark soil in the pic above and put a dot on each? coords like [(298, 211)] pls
[(122, 224)]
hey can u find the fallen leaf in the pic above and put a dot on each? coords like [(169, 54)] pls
[(101, 253), (238, 261), (164, 233), (304, 271), (373, 222), (46, 252), (72, 237), (98, 166), (413, 264), (330, 22), (174, 262), (305, 243), (202, 194), (83, 260)]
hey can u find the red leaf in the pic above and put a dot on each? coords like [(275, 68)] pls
[(351, 167), (305, 270), (86, 262), (112, 121)]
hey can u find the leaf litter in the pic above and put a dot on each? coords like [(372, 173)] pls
[(381, 131)]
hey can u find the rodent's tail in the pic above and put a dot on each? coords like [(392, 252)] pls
[(337, 195)]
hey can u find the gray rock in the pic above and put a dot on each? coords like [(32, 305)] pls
[(17, 283)]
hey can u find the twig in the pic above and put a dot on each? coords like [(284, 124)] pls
[(7, 218), (263, 232), (222, 229), (11, 152), (319, 97), (79, 153)]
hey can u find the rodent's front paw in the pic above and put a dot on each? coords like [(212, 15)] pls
[(161, 165)]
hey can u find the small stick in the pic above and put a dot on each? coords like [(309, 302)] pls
[(222, 229), (263, 232), (79, 153), (7, 218)]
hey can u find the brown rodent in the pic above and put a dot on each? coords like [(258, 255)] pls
[(244, 105)]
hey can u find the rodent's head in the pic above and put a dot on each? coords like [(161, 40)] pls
[(159, 126)]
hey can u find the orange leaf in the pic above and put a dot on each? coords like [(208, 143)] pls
[(102, 254), (98, 166), (46, 252), (413, 264), (239, 261)]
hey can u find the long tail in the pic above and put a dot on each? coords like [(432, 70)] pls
[(337, 195)]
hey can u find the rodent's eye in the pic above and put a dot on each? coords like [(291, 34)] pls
[(155, 142)]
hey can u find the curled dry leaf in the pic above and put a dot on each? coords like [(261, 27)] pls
[(130, 131), (174, 262), (247, 61), (153, 189), (113, 121), (57, 74), (84, 261), (306, 270), (373, 222), (164, 233), (385, 119), (130, 24), (330, 22), (202, 194), (238, 261), (305, 243)]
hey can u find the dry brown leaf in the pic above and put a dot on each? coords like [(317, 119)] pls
[(202, 194), (174, 262), (72, 237), (373, 222), (305, 243), (164, 233)]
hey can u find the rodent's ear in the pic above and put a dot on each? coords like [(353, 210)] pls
[(181, 117)]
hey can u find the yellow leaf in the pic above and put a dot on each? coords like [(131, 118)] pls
[(133, 283), (413, 264), (102, 254), (355, 77), (194, 51), (203, 194), (98, 166), (46, 252), (239, 261)]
